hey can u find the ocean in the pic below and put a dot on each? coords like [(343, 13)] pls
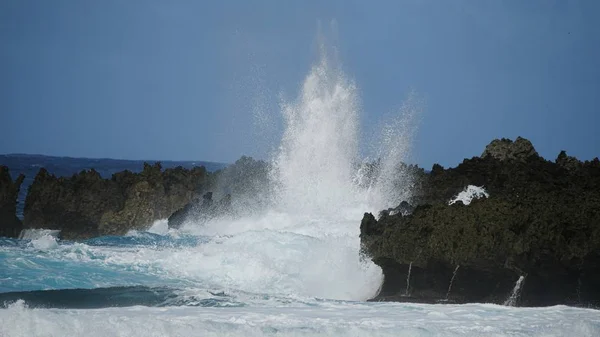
[(293, 268), (267, 282)]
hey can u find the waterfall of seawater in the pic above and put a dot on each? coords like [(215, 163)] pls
[(514, 296), (408, 279), (452, 281)]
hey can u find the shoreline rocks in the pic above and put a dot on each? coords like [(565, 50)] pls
[(10, 225), (86, 205), (540, 221)]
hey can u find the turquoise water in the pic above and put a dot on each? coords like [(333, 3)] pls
[(45, 263), (151, 284)]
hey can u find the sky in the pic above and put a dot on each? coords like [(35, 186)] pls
[(184, 80)]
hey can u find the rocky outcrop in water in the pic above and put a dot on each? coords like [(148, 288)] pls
[(10, 225), (86, 205), (541, 221)]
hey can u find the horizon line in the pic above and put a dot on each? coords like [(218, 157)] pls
[(20, 154)]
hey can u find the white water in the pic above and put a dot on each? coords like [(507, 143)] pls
[(33, 234), (44, 242), (470, 193), (319, 319), (314, 166)]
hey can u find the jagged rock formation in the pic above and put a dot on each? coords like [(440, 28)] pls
[(10, 225), (505, 149), (541, 221), (86, 205)]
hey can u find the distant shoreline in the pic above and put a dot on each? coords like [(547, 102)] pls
[(43, 156)]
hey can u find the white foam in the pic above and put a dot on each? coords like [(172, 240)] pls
[(274, 254), (44, 243), (468, 194), (160, 227), (314, 319)]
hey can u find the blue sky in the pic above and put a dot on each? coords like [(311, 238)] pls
[(181, 79)]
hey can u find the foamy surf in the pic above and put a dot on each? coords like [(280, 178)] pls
[(314, 319)]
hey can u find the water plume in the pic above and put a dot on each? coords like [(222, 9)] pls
[(305, 240)]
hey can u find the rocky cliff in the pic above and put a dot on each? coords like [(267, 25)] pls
[(86, 205), (10, 225), (540, 222)]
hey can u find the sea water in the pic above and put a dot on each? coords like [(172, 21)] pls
[(293, 268)]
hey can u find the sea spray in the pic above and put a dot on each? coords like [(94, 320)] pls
[(305, 242), (394, 182), (470, 193), (314, 166)]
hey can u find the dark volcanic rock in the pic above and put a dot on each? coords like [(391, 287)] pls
[(505, 149), (541, 221), (87, 205), (10, 225)]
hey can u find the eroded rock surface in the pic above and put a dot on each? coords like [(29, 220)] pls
[(86, 205), (541, 221)]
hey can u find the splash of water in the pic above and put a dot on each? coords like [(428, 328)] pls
[(306, 242), (470, 193), (33, 234), (314, 166), (394, 181)]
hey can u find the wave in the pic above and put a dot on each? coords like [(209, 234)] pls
[(147, 239), (317, 319), (112, 297)]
